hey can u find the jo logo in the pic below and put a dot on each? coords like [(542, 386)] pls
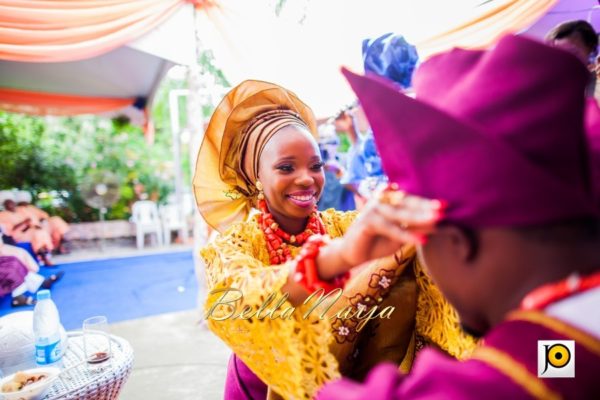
[(556, 358)]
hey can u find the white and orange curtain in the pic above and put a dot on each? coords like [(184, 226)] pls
[(491, 20), (40, 103), (45, 31), (250, 41), (71, 30)]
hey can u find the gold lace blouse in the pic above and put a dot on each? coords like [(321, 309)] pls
[(294, 353)]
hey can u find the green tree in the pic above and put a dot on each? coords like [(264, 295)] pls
[(51, 157)]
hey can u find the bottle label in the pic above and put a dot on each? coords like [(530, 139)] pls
[(47, 353)]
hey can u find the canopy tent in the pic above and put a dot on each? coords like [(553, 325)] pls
[(102, 55), (304, 47), (69, 57), (65, 57)]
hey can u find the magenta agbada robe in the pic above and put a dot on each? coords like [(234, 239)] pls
[(242, 383), (436, 376), (500, 136), (433, 376)]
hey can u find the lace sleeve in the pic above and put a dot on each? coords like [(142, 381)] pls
[(338, 222), (437, 321), (284, 349)]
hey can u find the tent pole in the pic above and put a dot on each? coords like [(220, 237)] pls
[(176, 137)]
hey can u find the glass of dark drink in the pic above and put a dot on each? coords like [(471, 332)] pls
[(96, 342)]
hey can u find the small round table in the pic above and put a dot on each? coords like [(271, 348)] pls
[(83, 383)]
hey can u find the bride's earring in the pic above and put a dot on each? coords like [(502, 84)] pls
[(261, 194)]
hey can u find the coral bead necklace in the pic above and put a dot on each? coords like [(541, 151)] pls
[(543, 296), (278, 240)]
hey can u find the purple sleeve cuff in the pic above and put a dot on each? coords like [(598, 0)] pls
[(381, 384)]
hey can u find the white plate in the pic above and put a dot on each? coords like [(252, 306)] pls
[(36, 390)]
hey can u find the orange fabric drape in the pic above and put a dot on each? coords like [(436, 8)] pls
[(499, 17), (39, 103), (66, 30)]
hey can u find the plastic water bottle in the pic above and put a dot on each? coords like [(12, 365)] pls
[(46, 329)]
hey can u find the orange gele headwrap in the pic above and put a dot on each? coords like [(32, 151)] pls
[(241, 125)]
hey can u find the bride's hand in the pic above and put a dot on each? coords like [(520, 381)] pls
[(385, 224)]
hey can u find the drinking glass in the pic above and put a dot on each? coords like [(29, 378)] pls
[(96, 342)]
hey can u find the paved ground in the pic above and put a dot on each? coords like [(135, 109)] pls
[(176, 358), (112, 249)]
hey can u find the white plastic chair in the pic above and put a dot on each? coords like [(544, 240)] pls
[(6, 195), (172, 221), (146, 219), (23, 195), (189, 204)]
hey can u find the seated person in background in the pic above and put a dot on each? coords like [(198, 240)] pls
[(56, 226), (516, 251), (24, 229), (14, 258)]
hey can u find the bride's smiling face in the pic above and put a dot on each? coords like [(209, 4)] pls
[(291, 172)]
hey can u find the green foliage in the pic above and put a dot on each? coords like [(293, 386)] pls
[(344, 142), (207, 64), (24, 158), (51, 157), (279, 6)]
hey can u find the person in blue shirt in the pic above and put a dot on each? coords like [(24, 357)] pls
[(391, 57), (335, 195)]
